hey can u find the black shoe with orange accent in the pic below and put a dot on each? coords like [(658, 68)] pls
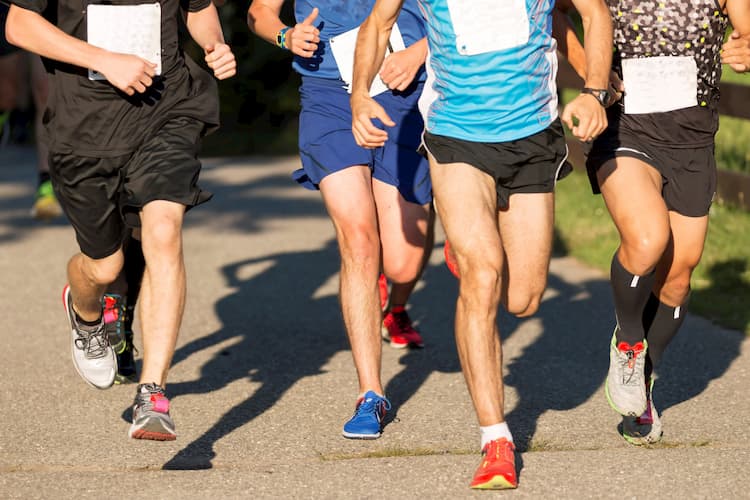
[(498, 468)]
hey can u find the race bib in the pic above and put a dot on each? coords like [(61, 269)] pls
[(127, 29), (488, 25), (342, 47), (659, 84)]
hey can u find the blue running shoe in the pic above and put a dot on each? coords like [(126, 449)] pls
[(367, 420)]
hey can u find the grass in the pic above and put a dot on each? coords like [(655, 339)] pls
[(721, 282)]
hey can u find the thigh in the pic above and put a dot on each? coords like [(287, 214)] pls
[(402, 224), (526, 231), (632, 191), (349, 201), (466, 201)]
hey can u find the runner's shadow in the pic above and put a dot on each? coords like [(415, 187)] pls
[(269, 318)]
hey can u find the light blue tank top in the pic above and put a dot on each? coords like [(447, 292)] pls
[(496, 95), (339, 16)]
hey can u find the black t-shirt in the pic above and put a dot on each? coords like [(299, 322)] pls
[(92, 117)]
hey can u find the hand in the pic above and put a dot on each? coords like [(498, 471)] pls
[(303, 38), (615, 90), (400, 68), (220, 59), (364, 110), (736, 52), (127, 72), (590, 115)]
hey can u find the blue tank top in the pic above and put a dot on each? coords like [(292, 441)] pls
[(339, 16), (481, 88)]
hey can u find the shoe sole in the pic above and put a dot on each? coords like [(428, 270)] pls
[(152, 429), (642, 441), (351, 435), (495, 483), (65, 297), (614, 407)]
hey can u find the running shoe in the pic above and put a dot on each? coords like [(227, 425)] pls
[(398, 330), (645, 429), (626, 383), (383, 289), (450, 260), (498, 468), (45, 205), (120, 336), (367, 421), (93, 356), (151, 418)]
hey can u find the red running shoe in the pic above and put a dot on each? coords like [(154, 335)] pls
[(450, 260), (498, 468), (383, 287), (398, 330)]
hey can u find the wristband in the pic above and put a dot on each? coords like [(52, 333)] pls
[(281, 37)]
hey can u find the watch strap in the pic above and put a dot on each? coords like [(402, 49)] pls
[(281, 37)]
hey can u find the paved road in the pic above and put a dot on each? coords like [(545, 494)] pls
[(263, 380)]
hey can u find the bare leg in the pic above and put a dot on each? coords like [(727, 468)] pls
[(163, 290), (350, 204)]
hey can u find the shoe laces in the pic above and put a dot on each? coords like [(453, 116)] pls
[(628, 358), (499, 449), (402, 321), (93, 343), (378, 406), (151, 397)]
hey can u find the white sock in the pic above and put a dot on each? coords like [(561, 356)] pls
[(496, 431)]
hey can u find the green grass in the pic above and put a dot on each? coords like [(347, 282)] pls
[(721, 282)]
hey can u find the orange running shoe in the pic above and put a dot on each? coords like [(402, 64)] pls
[(498, 468), (450, 260)]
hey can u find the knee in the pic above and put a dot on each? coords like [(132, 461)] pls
[(523, 304), (358, 242), (163, 235), (104, 271), (482, 282), (676, 288), (641, 254)]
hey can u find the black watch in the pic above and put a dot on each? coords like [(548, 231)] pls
[(601, 95)]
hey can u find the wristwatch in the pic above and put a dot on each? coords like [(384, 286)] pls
[(601, 95), (281, 37)]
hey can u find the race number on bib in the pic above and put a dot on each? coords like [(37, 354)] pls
[(488, 25), (659, 84), (342, 47), (127, 29)]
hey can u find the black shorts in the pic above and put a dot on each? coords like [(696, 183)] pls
[(103, 196), (688, 174), (529, 165)]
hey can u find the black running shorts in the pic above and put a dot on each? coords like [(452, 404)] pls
[(529, 165), (103, 196), (688, 173)]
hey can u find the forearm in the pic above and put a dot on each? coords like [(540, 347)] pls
[(597, 26), (263, 20), (204, 26), (739, 16), (567, 42), (30, 31), (368, 56)]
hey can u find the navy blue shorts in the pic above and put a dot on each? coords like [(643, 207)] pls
[(327, 145)]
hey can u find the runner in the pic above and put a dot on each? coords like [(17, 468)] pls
[(123, 134), (379, 201), (496, 148), (655, 168)]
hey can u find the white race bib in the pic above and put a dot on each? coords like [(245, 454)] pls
[(342, 47), (659, 84), (488, 25), (127, 29)]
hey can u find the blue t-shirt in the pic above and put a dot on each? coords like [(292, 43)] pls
[(494, 81), (339, 16)]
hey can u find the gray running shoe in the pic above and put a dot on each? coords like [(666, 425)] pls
[(92, 354), (626, 386), (151, 418), (645, 429)]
